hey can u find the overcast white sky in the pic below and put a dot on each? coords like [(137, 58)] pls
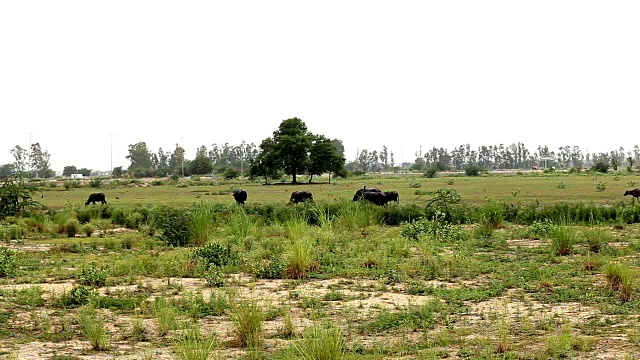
[(371, 73)]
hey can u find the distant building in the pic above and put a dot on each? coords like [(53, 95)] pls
[(77, 176)]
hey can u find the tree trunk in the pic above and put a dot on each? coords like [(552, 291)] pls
[(310, 178)]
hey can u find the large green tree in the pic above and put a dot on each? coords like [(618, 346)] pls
[(6, 170), (297, 151), (20, 157), (140, 156), (202, 164), (68, 170), (39, 161), (266, 164), (293, 144), (324, 157)]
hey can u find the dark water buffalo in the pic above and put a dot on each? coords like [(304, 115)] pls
[(635, 193), (378, 198), (358, 195), (96, 197), (393, 196), (240, 196), (300, 196)]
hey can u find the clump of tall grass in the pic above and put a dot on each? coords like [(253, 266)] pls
[(203, 220), (166, 315), (240, 224), (321, 343), (296, 228), (93, 328), (492, 214), (562, 239), (300, 258), (596, 238), (248, 318), (359, 214), (192, 345), (620, 278)]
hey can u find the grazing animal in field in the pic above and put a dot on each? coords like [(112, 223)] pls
[(635, 193), (378, 198), (358, 195), (393, 196), (96, 197), (301, 196), (240, 196)]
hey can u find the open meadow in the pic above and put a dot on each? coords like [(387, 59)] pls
[(501, 266)]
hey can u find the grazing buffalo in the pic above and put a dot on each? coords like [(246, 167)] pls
[(378, 198), (96, 197), (300, 196), (358, 195), (240, 196), (393, 196), (635, 193)]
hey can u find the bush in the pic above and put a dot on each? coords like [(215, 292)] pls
[(431, 172), (473, 170), (600, 166), (270, 269), (93, 275), (71, 227), (78, 296), (8, 262), (231, 174), (214, 276), (173, 225), (213, 254)]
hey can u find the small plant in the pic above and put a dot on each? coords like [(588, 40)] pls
[(596, 238), (601, 186), (214, 254), (270, 269), (450, 182), (562, 240), (431, 172), (631, 183), (192, 345), (88, 229), (620, 278), (93, 328), (78, 296), (515, 192), (71, 227), (214, 276), (616, 178), (240, 224), (321, 342), (247, 318), (561, 185), (415, 185), (202, 224)]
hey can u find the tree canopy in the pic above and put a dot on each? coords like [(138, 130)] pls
[(296, 151)]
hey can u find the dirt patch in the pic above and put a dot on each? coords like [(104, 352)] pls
[(49, 289), (526, 243)]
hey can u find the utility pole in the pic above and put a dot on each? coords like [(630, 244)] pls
[(29, 160), (182, 157), (242, 158), (111, 153)]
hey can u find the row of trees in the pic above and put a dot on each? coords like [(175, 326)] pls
[(33, 163)]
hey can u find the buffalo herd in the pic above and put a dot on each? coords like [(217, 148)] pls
[(372, 195)]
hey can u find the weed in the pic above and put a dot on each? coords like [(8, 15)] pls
[(247, 318), (93, 328)]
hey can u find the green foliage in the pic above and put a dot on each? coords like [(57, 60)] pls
[(214, 276), (562, 239), (601, 186), (247, 318), (8, 262), (620, 278), (596, 238), (473, 170), (431, 172), (561, 185), (202, 224), (541, 228), (231, 174), (77, 296), (270, 269), (321, 343), (300, 258), (492, 214), (93, 275), (192, 345), (172, 223), (72, 227), (15, 197), (93, 328), (214, 254), (240, 224), (600, 166), (437, 228)]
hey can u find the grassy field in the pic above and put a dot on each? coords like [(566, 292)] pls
[(513, 188), (348, 288)]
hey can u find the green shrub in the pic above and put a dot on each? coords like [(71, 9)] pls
[(203, 220), (247, 318), (270, 269), (78, 296), (600, 166), (601, 186), (93, 328), (72, 227), (93, 275), (214, 254), (230, 174), (8, 262), (214, 276), (431, 172), (621, 279), (473, 170), (596, 238), (173, 225), (89, 229), (562, 239)]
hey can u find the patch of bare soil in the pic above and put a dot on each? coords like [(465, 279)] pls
[(514, 308), (30, 247), (49, 289), (526, 243)]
